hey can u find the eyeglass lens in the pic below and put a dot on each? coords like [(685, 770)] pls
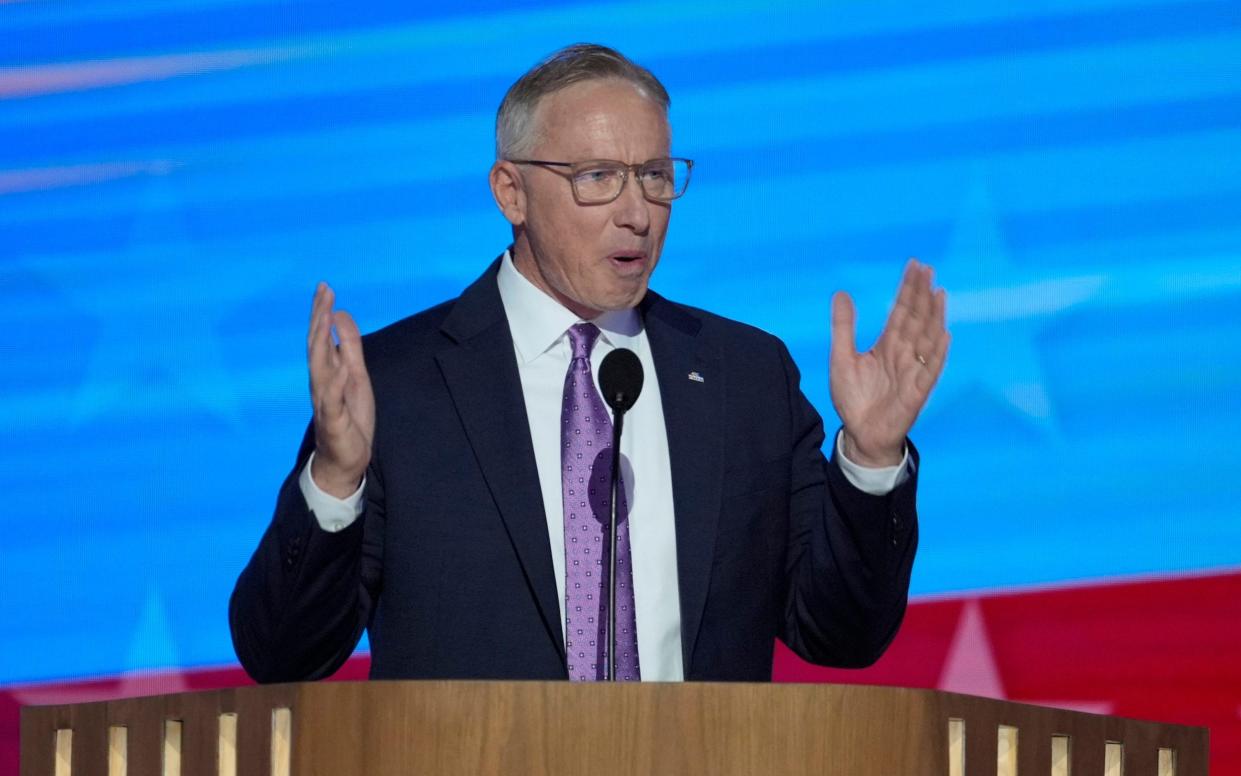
[(661, 179)]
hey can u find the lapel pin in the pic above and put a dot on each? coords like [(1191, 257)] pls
[(696, 377)]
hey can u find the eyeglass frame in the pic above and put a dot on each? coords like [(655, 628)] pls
[(625, 169)]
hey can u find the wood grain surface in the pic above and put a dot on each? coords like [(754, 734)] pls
[(440, 728)]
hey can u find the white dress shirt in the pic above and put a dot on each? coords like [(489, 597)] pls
[(539, 326)]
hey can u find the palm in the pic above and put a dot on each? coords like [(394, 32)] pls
[(879, 393)]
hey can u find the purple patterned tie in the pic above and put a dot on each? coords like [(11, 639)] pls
[(585, 475)]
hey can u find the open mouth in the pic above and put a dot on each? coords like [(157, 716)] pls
[(628, 264)]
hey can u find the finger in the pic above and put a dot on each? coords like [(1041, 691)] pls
[(932, 327), (320, 356), (941, 353), (316, 303), (899, 332), (346, 331), (921, 301), (844, 328), (315, 314), (325, 336), (909, 279), (324, 297), (321, 309), (917, 310), (351, 347), (935, 363), (904, 304), (331, 387), (325, 363), (333, 350), (330, 409)]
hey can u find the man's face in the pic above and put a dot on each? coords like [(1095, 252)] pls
[(592, 258)]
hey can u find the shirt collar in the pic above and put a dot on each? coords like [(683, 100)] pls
[(537, 321)]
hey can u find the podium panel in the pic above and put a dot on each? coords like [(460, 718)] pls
[(391, 728)]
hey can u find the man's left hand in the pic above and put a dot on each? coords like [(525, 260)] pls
[(878, 394)]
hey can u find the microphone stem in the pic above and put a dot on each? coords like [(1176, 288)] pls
[(617, 422)]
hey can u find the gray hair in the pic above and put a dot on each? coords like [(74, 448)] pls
[(515, 130)]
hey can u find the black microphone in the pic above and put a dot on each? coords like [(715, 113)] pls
[(620, 380)]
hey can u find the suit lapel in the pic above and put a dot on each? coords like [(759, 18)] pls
[(482, 379), (693, 415)]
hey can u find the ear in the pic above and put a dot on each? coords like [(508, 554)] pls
[(509, 191)]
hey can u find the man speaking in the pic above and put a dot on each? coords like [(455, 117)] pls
[(452, 492)]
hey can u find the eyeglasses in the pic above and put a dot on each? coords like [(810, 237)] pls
[(599, 181)]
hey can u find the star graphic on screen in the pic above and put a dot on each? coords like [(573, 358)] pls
[(158, 301), (971, 668), (152, 644), (997, 312)]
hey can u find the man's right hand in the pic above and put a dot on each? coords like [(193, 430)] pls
[(340, 391)]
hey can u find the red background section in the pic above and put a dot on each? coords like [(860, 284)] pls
[(1167, 650)]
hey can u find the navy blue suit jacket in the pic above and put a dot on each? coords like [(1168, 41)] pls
[(450, 566)]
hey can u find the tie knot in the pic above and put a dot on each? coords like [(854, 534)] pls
[(582, 337)]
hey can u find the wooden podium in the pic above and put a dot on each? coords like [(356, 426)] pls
[(409, 728)]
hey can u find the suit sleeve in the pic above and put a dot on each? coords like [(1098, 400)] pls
[(301, 603), (850, 554)]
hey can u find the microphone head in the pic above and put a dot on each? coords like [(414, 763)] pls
[(620, 379)]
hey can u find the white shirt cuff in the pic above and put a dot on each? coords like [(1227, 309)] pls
[(878, 481), (333, 514)]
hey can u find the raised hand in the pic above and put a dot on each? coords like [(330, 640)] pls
[(340, 391), (878, 394)]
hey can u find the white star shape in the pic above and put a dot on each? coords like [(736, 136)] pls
[(158, 302), (970, 667), (996, 312), (151, 644)]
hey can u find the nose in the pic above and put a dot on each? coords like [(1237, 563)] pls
[(632, 210)]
